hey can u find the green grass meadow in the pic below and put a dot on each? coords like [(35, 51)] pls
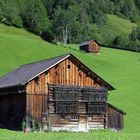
[(97, 135), (120, 68)]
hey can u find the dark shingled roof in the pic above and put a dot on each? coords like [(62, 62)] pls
[(25, 73), (87, 42)]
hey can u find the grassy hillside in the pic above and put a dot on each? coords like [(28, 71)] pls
[(96, 135), (120, 68)]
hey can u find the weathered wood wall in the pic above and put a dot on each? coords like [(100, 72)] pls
[(36, 98), (80, 101), (94, 47), (68, 72), (114, 118)]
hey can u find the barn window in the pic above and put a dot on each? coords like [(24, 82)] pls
[(74, 117), (96, 80), (80, 67), (90, 117), (88, 74), (68, 66), (46, 72), (56, 67), (56, 72), (37, 80)]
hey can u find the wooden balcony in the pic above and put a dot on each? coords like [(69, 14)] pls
[(67, 99)]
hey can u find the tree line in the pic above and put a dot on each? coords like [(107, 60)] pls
[(70, 21)]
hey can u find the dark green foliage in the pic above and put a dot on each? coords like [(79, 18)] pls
[(137, 3), (106, 6), (70, 23), (135, 35), (135, 39), (9, 13), (99, 17), (35, 17), (121, 41), (130, 10), (131, 42), (134, 45), (23, 125)]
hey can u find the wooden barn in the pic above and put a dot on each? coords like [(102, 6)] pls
[(90, 46), (61, 92)]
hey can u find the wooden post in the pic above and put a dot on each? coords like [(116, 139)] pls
[(28, 124)]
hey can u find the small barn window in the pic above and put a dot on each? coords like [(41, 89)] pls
[(74, 117), (96, 80), (56, 67), (79, 70), (68, 66), (88, 74), (90, 117), (46, 72), (56, 72), (37, 80)]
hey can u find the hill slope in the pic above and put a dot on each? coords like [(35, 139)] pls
[(120, 68)]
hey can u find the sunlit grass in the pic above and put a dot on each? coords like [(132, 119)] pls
[(97, 135)]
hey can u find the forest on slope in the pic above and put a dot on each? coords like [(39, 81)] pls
[(74, 21)]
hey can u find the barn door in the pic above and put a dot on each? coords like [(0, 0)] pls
[(83, 123), (12, 111), (5, 112)]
